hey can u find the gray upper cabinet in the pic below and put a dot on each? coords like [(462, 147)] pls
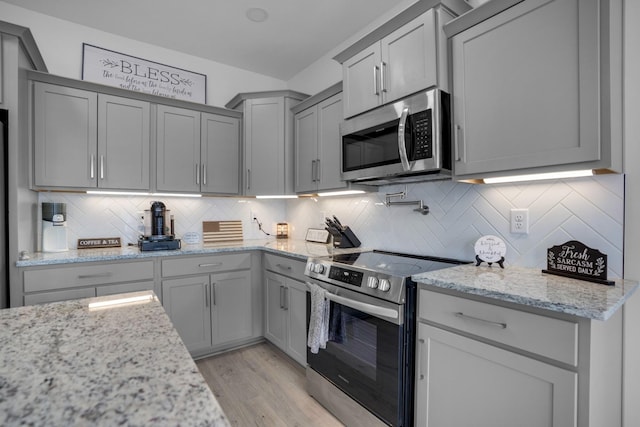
[(89, 140), (65, 136), (220, 154), (123, 143), (268, 141), (178, 145), (317, 146), (532, 88), (403, 62)]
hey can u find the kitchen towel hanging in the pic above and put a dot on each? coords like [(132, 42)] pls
[(318, 319)]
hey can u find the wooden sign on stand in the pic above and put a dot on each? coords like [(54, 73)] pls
[(576, 260)]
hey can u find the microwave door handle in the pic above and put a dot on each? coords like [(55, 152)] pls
[(402, 143)]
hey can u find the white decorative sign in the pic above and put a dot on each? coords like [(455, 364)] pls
[(490, 249), (128, 72)]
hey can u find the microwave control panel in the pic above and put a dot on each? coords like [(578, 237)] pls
[(422, 135)]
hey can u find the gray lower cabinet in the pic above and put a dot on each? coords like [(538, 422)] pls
[(508, 367), (285, 323), (50, 284), (536, 88), (83, 139), (213, 301)]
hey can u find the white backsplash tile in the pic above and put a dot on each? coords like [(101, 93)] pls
[(585, 209)]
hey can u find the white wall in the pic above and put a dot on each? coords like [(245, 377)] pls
[(60, 43), (632, 211)]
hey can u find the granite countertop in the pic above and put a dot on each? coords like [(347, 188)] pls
[(66, 364), (290, 247), (531, 287)]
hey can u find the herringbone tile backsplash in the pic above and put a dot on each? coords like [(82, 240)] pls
[(586, 209)]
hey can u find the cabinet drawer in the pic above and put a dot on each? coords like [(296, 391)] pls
[(68, 294), (285, 266), (205, 264), (86, 275), (548, 337), (124, 288)]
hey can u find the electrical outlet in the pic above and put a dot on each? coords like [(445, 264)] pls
[(253, 214), (520, 221)]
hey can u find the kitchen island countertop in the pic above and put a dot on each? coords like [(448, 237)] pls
[(289, 247), (530, 287), (67, 364)]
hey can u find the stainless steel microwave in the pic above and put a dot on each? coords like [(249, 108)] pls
[(406, 141)]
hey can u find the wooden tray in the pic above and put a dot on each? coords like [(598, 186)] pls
[(221, 231)]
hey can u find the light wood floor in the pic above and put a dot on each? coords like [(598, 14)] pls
[(261, 386)]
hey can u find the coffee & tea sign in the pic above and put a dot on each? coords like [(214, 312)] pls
[(576, 260)]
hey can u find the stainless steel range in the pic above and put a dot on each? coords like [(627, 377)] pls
[(365, 374)]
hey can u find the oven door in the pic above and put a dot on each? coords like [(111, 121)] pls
[(364, 356)]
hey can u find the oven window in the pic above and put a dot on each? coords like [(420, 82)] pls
[(372, 147), (354, 341)]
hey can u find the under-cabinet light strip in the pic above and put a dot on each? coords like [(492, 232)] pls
[(538, 176), (121, 301), (134, 193), (340, 193)]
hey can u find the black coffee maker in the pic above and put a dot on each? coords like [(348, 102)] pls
[(159, 235)]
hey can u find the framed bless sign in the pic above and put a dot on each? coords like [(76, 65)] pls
[(129, 72)]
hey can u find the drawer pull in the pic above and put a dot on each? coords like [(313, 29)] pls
[(212, 264), (91, 276), (284, 267), (477, 319)]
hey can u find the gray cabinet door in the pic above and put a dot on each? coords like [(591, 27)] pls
[(495, 387), (296, 308), (409, 58), (275, 328), (526, 88), (361, 77), (306, 150), (188, 304), (178, 149), (65, 137), (123, 143), (264, 146), (330, 144), (220, 154), (232, 306)]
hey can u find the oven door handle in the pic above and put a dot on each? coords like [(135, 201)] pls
[(371, 309)]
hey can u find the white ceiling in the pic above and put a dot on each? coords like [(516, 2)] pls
[(296, 33)]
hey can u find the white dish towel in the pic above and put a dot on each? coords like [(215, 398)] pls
[(318, 318)]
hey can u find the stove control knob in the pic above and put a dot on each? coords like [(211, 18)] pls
[(310, 266), (318, 268), (372, 282), (384, 285)]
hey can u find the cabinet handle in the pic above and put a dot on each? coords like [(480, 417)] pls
[(211, 264), (92, 167), (281, 299), (198, 173), (318, 176), (477, 319), (101, 167), (382, 67), (456, 142), (213, 292), (313, 171), (204, 174), (420, 353), (376, 92), (286, 298), (206, 295), (248, 179), (91, 276), (284, 267)]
